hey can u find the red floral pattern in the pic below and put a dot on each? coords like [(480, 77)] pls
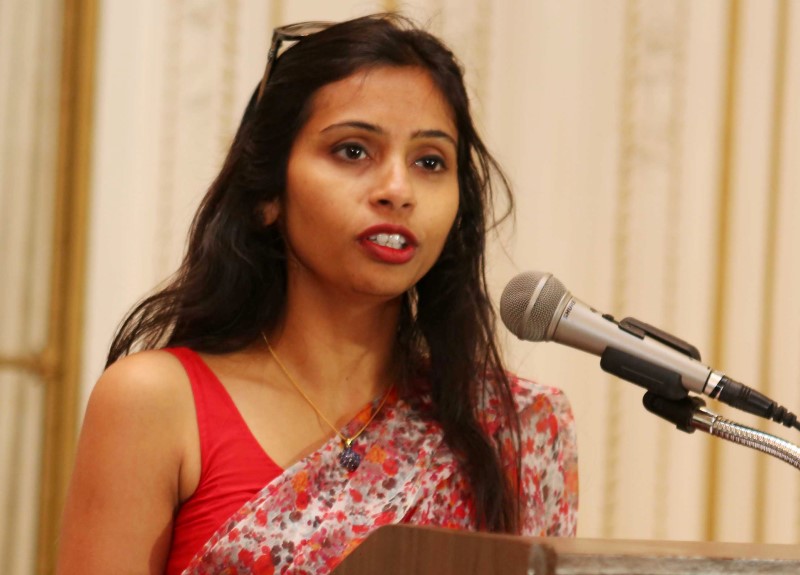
[(309, 518)]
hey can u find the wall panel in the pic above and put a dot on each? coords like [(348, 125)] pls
[(30, 66)]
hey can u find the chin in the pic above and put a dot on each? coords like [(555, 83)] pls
[(383, 292)]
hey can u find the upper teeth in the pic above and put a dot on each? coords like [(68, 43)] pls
[(395, 241)]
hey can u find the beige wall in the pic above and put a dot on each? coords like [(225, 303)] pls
[(653, 148), (29, 107)]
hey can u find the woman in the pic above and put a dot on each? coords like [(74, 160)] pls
[(324, 361)]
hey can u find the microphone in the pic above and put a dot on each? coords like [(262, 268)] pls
[(535, 306)]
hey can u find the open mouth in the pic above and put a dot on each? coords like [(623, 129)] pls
[(394, 241)]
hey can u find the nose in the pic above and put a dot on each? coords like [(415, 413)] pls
[(394, 188)]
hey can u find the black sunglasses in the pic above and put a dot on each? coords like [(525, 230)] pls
[(288, 33)]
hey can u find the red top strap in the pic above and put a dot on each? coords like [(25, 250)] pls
[(234, 467)]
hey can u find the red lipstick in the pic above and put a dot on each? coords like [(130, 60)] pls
[(388, 243)]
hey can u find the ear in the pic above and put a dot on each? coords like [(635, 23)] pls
[(270, 212)]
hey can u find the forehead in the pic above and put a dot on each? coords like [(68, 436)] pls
[(400, 97)]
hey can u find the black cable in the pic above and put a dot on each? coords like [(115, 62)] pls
[(747, 399)]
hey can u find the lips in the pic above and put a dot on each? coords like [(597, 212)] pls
[(388, 243)]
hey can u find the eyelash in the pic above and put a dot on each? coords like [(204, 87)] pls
[(424, 162), (344, 151), (349, 150)]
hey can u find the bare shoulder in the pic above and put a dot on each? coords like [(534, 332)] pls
[(154, 375), (144, 402), (125, 484)]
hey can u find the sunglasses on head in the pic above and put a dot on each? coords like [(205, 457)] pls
[(282, 34)]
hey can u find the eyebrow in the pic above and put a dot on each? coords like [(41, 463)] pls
[(378, 130)]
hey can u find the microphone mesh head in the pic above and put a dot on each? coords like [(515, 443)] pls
[(526, 319)]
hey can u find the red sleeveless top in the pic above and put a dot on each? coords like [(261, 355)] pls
[(234, 467)]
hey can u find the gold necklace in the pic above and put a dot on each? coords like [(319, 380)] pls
[(348, 458)]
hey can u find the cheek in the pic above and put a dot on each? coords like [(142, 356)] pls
[(447, 213), (302, 202), (319, 211), (443, 223), (316, 223)]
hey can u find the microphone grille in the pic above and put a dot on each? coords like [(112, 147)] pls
[(529, 319)]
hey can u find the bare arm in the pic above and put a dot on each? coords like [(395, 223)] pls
[(125, 486)]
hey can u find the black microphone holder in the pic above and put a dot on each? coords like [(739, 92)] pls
[(667, 398), (690, 413)]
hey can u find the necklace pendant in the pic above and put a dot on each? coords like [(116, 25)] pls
[(348, 458)]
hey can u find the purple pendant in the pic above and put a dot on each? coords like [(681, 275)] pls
[(348, 458)]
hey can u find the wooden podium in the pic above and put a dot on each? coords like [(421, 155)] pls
[(407, 550)]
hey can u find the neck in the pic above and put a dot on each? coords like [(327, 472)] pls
[(336, 350)]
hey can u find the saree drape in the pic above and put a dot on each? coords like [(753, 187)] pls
[(309, 518)]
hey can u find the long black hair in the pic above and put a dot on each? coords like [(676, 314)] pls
[(231, 285)]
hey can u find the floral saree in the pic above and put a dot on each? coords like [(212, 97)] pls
[(309, 518)]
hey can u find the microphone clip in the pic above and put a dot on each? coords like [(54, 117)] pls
[(641, 329), (682, 412), (655, 379)]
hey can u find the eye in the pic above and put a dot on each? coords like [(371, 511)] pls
[(431, 163), (351, 151)]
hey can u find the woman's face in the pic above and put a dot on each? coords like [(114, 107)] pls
[(372, 185)]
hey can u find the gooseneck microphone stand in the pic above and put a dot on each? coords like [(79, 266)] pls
[(667, 398), (690, 413)]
